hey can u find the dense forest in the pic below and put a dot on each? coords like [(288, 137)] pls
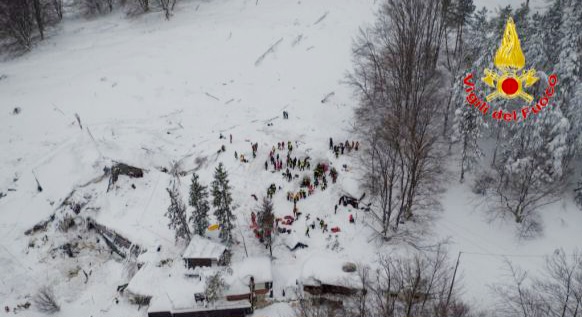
[(414, 109)]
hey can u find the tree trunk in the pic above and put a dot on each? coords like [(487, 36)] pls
[(38, 17)]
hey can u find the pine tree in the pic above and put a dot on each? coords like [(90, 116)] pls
[(551, 22), (569, 69), (467, 130), (265, 220), (468, 122), (177, 215), (458, 16), (531, 171), (215, 285), (199, 200), (222, 202)]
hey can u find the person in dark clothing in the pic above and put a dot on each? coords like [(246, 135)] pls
[(231, 138), (330, 143), (266, 166), (335, 211), (307, 232), (342, 148)]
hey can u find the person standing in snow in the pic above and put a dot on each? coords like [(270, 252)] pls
[(335, 211), (352, 219), (307, 232), (235, 155), (231, 138), (330, 143), (266, 166)]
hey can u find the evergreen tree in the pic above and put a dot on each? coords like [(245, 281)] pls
[(468, 122), (222, 202), (569, 70), (458, 16), (467, 130), (177, 215), (265, 220), (551, 22), (531, 171), (199, 200), (215, 286)]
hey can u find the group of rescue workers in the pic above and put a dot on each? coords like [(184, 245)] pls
[(308, 184), (342, 147)]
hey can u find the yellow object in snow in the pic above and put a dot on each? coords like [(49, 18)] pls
[(213, 227)]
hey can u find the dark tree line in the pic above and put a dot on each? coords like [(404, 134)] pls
[(532, 160), (408, 74), (22, 22)]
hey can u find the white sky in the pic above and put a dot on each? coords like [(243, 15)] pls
[(492, 5)]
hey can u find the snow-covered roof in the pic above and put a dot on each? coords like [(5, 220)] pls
[(156, 281), (203, 248), (328, 270), (217, 305), (257, 267), (169, 303)]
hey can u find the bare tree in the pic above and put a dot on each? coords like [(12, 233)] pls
[(167, 7), (358, 303), (95, 7), (396, 78), (45, 300), (419, 285), (16, 22), (557, 293), (58, 8), (144, 5), (316, 306), (38, 16)]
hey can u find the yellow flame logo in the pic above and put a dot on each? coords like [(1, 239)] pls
[(509, 59)]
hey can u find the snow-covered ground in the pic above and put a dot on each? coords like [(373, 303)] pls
[(149, 92)]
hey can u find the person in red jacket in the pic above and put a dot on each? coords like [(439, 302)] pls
[(352, 219)]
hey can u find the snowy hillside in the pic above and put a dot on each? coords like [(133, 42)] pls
[(153, 93)]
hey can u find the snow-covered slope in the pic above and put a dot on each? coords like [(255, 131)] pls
[(150, 92)]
